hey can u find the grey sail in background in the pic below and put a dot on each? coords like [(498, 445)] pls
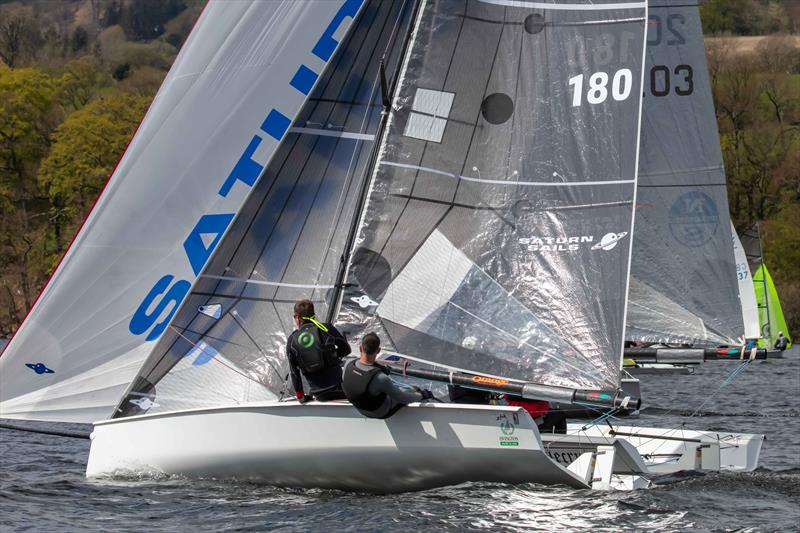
[(496, 232), (227, 343), (683, 274)]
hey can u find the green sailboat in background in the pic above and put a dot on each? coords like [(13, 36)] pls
[(770, 313)]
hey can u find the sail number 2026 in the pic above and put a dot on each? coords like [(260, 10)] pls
[(597, 92)]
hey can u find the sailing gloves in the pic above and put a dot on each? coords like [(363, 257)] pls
[(426, 394)]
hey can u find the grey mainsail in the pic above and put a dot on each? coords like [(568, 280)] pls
[(496, 232), (683, 274), (227, 342)]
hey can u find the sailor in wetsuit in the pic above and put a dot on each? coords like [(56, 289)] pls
[(369, 388), (316, 350)]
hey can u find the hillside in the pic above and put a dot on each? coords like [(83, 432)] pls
[(76, 76)]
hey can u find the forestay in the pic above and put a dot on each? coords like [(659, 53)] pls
[(747, 295), (238, 83), (683, 276), (227, 343), (497, 227)]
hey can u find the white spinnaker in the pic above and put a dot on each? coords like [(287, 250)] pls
[(243, 74), (747, 293)]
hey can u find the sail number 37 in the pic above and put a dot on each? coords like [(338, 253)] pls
[(597, 92)]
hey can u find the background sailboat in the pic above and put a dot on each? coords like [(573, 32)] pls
[(683, 287)]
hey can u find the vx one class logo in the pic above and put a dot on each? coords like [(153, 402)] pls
[(571, 244), (693, 219), (166, 292)]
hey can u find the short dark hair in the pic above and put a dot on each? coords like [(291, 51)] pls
[(304, 308), (371, 344)]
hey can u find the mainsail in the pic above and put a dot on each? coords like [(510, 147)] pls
[(747, 294), (237, 85), (287, 241), (497, 227), (683, 281)]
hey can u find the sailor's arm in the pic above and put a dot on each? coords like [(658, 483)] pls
[(342, 347), (294, 370), (399, 394)]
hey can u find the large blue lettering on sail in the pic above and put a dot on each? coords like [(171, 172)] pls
[(226, 105)]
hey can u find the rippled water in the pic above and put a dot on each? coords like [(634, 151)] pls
[(42, 486)]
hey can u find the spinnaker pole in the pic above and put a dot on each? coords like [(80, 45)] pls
[(612, 399), (692, 356)]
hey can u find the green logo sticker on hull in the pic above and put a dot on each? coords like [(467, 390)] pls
[(509, 443)]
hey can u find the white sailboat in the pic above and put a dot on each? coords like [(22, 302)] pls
[(268, 169)]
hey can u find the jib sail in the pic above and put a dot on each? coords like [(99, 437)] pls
[(227, 343)]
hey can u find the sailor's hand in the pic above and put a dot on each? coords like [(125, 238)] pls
[(426, 394)]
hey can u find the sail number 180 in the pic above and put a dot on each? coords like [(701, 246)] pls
[(621, 85)]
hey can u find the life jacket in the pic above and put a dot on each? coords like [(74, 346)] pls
[(356, 387), (315, 349)]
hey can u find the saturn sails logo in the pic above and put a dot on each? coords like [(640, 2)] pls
[(573, 243)]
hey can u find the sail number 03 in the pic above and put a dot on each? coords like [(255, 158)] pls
[(597, 92)]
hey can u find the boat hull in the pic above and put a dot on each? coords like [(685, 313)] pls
[(331, 445)]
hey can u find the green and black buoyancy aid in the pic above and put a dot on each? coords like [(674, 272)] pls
[(356, 387), (315, 350)]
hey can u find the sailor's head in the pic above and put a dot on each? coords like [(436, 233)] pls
[(303, 312), (780, 334), (369, 347)]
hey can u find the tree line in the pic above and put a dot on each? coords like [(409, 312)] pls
[(76, 76)]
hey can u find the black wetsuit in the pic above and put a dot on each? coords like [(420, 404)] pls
[(325, 384), (781, 343), (379, 396)]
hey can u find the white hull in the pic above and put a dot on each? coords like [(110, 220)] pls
[(666, 451), (332, 446)]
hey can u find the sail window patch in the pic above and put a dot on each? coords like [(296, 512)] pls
[(214, 310), (497, 108), (429, 114)]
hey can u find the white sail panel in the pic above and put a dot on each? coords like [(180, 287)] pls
[(747, 292), (228, 101)]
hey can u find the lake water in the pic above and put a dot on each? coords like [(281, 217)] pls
[(42, 484)]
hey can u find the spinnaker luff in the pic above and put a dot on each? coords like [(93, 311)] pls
[(215, 125)]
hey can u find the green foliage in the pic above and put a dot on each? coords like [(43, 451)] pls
[(86, 146), (757, 97), (65, 121), (745, 17)]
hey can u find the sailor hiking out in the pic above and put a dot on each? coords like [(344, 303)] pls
[(781, 343), (315, 350), (369, 388)]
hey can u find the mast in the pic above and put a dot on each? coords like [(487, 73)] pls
[(387, 93)]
